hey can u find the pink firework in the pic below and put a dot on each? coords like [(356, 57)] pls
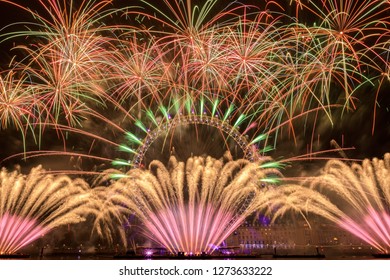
[(189, 207), (33, 205), (16, 232), (356, 198), (191, 229), (375, 229)]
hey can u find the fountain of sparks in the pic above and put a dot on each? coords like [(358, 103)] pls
[(192, 206), (355, 197), (33, 205)]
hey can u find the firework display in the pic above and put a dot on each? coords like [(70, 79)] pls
[(354, 197), (184, 121), (149, 99), (79, 66), (33, 205), (191, 207)]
